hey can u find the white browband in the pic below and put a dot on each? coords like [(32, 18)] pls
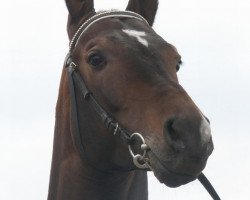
[(99, 16)]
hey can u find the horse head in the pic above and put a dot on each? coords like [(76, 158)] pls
[(132, 73)]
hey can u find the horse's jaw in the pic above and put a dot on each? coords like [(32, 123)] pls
[(166, 176)]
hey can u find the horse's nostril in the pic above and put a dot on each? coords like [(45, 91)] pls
[(171, 131), (172, 136)]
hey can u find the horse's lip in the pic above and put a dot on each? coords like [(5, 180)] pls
[(167, 176)]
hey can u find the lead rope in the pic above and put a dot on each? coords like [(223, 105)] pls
[(210, 189)]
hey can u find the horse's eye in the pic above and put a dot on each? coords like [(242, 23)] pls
[(178, 66), (96, 60)]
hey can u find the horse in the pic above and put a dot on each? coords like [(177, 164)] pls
[(121, 110)]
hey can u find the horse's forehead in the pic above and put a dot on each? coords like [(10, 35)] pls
[(132, 37), (132, 43), (140, 36), (128, 30)]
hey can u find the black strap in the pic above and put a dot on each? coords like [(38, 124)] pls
[(205, 182), (77, 81), (74, 125)]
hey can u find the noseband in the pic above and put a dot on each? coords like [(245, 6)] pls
[(75, 80)]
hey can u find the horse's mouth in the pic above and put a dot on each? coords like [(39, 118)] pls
[(166, 176)]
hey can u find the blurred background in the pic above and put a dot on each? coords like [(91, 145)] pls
[(213, 39)]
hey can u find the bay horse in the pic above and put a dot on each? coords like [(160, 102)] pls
[(119, 89)]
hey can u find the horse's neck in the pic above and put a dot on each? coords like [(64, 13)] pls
[(72, 178)]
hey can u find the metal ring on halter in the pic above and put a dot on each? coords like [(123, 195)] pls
[(138, 157)]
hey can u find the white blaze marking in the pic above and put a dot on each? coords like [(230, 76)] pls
[(205, 131), (138, 35)]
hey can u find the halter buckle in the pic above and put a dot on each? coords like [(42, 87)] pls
[(138, 158), (69, 62), (116, 128)]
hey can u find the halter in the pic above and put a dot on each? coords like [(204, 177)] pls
[(100, 16), (75, 80)]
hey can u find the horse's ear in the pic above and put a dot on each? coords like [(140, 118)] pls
[(79, 8), (146, 8)]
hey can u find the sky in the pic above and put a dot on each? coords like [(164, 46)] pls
[(213, 39)]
